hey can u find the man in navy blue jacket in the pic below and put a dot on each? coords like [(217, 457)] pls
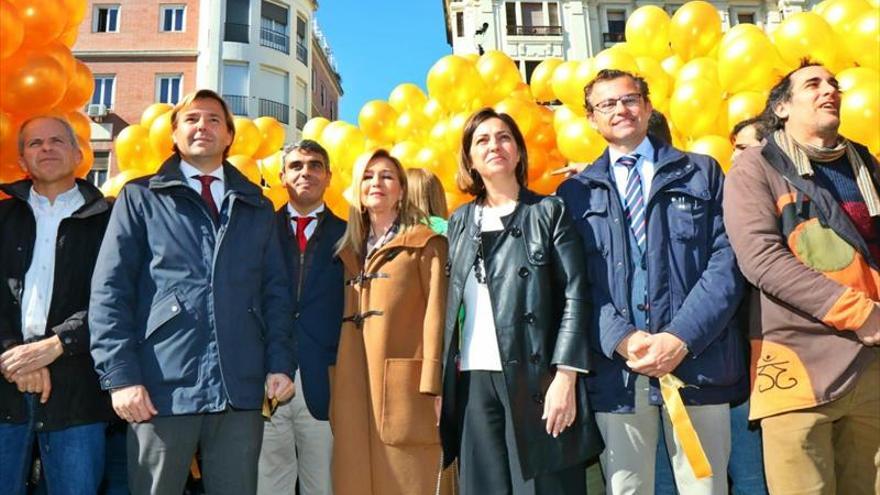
[(190, 311), (665, 289), (297, 442)]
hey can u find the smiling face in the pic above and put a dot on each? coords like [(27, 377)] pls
[(48, 156), (381, 189), (813, 110), (201, 132), (306, 177), (493, 151), (626, 123)]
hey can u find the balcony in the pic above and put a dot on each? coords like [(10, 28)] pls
[(238, 104), (275, 40), (301, 119), (534, 30), (236, 32), (617, 37), (302, 53), (280, 111)]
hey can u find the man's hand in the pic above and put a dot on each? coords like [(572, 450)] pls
[(279, 386), (869, 332), (27, 358), (633, 345), (133, 403), (661, 354), (560, 409), (35, 382)]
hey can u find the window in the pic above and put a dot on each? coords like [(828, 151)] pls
[(533, 18), (105, 19), (530, 66), (532, 13), (98, 173), (103, 94), (459, 24), (237, 15), (301, 103), (323, 94), (168, 88), (302, 52), (616, 26), (553, 13), (510, 9), (171, 18), (273, 27), (235, 87), (745, 18)]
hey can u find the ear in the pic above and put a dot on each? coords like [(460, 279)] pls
[(781, 110), (23, 165), (592, 120)]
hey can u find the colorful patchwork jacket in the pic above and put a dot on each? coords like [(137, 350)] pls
[(816, 277)]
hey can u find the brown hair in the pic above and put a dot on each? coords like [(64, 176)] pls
[(467, 179), (204, 94), (610, 75), (781, 93), (426, 192)]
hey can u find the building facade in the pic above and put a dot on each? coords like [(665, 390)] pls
[(256, 53), (530, 31), (326, 81)]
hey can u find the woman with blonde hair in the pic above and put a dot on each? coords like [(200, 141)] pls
[(387, 373), (427, 194)]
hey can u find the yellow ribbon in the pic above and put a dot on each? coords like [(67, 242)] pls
[(682, 426)]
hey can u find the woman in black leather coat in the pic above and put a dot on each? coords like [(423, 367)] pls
[(516, 336)]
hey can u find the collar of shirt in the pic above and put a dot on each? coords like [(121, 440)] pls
[(68, 201), (218, 187), (645, 167), (291, 211)]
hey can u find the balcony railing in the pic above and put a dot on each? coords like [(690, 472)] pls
[(238, 104), (618, 37), (236, 32), (301, 119), (275, 40), (534, 30), (280, 111), (302, 53)]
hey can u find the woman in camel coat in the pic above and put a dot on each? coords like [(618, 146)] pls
[(387, 372)]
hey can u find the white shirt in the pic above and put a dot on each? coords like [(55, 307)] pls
[(479, 341), (218, 187), (40, 277), (310, 228), (645, 166)]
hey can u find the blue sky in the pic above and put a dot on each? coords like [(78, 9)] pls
[(380, 44)]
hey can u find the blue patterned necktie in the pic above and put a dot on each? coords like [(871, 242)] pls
[(634, 201)]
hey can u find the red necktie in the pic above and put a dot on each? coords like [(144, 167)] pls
[(207, 197), (301, 223)]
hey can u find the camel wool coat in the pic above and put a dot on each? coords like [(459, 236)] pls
[(387, 372)]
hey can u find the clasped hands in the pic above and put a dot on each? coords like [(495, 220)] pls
[(653, 355), (26, 366)]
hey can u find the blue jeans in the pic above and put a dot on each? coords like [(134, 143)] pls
[(72, 458)]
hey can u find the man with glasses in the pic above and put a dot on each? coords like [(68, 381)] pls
[(665, 290)]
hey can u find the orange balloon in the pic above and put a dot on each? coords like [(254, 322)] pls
[(75, 10), (523, 113), (277, 194), (69, 35), (160, 136), (247, 137), (153, 111), (43, 21), (11, 29), (132, 147), (647, 32), (314, 127), (500, 75), (80, 86), (31, 83), (88, 159), (407, 96), (694, 107), (247, 166), (377, 119), (694, 29), (542, 77), (717, 147), (271, 136), (82, 125)]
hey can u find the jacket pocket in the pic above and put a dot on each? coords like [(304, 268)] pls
[(407, 415), (162, 311), (687, 211)]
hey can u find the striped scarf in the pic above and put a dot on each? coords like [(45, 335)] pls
[(801, 154)]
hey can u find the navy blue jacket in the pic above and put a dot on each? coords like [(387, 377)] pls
[(318, 295), (694, 285), (175, 298)]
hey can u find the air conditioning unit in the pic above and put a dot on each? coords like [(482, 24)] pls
[(97, 110)]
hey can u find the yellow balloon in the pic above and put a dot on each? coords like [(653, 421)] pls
[(659, 83), (314, 127), (565, 114), (717, 147), (864, 38), (672, 64), (433, 110), (432, 159), (412, 125), (500, 75), (699, 68), (805, 35), (406, 152), (842, 16), (647, 32), (611, 58), (694, 107), (522, 112), (407, 96), (694, 29), (247, 137), (744, 64), (247, 166), (569, 80), (857, 76), (455, 82), (153, 111), (439, 136), (270, 169), (860, 115), (343, 142), (579, 142), (271, 136), (542, 77), (160, 136), (132, 147), (377, 120), (744, 106), (277, 194)]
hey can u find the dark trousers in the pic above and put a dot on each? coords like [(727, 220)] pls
[(489, 459), (161, 450)]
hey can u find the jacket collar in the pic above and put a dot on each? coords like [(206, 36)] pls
[(237, 185), (414, 237), (94, 201), (600, 170)]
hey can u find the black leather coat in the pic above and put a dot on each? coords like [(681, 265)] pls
[(538, 284)]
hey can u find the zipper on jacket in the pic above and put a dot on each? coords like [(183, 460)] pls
[(218, 242), (299, 284)]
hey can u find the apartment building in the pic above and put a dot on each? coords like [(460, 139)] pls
[(326, 81)]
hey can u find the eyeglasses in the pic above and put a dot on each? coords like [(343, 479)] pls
[(631, 100)]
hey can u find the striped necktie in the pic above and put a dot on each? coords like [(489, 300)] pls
[(634, 201)]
